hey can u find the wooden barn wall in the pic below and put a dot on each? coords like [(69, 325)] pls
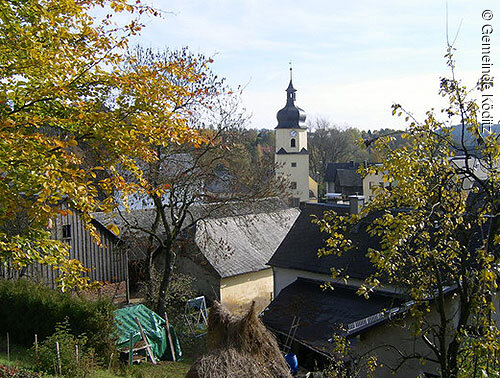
[(107, 263)]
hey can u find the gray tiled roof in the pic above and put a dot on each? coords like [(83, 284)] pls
[(333, 168), (245, 243), (349, 177), (235, 238)]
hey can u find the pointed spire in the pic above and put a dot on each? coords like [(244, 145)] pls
[(290, 97), (290, 88)]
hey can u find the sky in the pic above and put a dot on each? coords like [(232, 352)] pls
[(351, 59)]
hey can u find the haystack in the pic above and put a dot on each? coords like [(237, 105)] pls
[(239, 348)]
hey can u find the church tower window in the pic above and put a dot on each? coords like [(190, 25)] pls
[(292, 143)]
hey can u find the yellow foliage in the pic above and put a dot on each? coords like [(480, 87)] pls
[(69, 112)]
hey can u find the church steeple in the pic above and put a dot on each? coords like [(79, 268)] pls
[(290, 98), (291, 116), (291, 155)]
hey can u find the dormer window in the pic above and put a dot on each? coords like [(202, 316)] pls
[(292, 142)]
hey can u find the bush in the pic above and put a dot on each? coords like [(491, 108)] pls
[(179, 291), (28, 308), (72, 365), (14, 372)]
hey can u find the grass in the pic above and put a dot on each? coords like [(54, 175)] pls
[(20, 357)]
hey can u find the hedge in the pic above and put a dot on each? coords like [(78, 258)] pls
[(28, 308)]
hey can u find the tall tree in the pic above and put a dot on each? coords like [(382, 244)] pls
[(187, 182), (439, 227), (69, 110), (328, 143)]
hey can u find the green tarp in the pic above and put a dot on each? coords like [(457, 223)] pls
[(153, 326)]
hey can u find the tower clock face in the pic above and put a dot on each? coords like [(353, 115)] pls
[(293, 133)]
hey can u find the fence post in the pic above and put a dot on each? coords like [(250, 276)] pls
[(59, 367), (131, 349), (77, 356), (8, 347)]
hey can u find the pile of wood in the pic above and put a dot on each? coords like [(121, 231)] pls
[(239, 347)]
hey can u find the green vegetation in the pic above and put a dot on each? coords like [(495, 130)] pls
[(76, 359), (439, 232), (21, 358), (28, 308)]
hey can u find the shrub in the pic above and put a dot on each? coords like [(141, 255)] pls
[(72, 365), (14, 372), (179, 291), (28, 308)]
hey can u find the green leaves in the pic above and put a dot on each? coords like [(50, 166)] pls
[(71, 112), (439, 228)]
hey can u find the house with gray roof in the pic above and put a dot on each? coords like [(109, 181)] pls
[(228, 255), (343, 178), (321, 311), (224, 249)]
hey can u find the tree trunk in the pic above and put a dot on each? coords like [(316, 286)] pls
[(161, 305)]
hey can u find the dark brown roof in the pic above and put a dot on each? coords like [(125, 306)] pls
[(325, 312), (299, 249)]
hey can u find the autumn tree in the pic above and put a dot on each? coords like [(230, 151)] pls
[(329, 143), (68, 110), (187, 182), (438, 227)]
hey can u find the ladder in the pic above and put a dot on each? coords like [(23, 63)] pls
[(291, 334), (134, 349)]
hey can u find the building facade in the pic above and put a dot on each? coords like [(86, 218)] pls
[(291, 154)]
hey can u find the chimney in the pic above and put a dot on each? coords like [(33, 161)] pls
[(356, 203)]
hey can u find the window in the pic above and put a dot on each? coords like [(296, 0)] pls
[(295, 202), (66, 231), (370, 184), (294, 164), (293, 185), (292, 142)]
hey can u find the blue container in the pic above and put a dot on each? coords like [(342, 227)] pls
[(291, 360)]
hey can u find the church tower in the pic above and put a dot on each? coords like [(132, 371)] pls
[(291, 153)]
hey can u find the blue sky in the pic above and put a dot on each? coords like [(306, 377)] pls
[(351, 60)]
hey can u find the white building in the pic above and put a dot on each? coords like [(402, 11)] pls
[(291, 154)]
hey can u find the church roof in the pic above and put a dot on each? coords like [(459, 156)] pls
[(291, 116), (282, 151)]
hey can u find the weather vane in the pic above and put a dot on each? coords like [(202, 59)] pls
[(290, 63)]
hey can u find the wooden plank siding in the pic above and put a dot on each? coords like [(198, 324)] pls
[(107, 262)]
